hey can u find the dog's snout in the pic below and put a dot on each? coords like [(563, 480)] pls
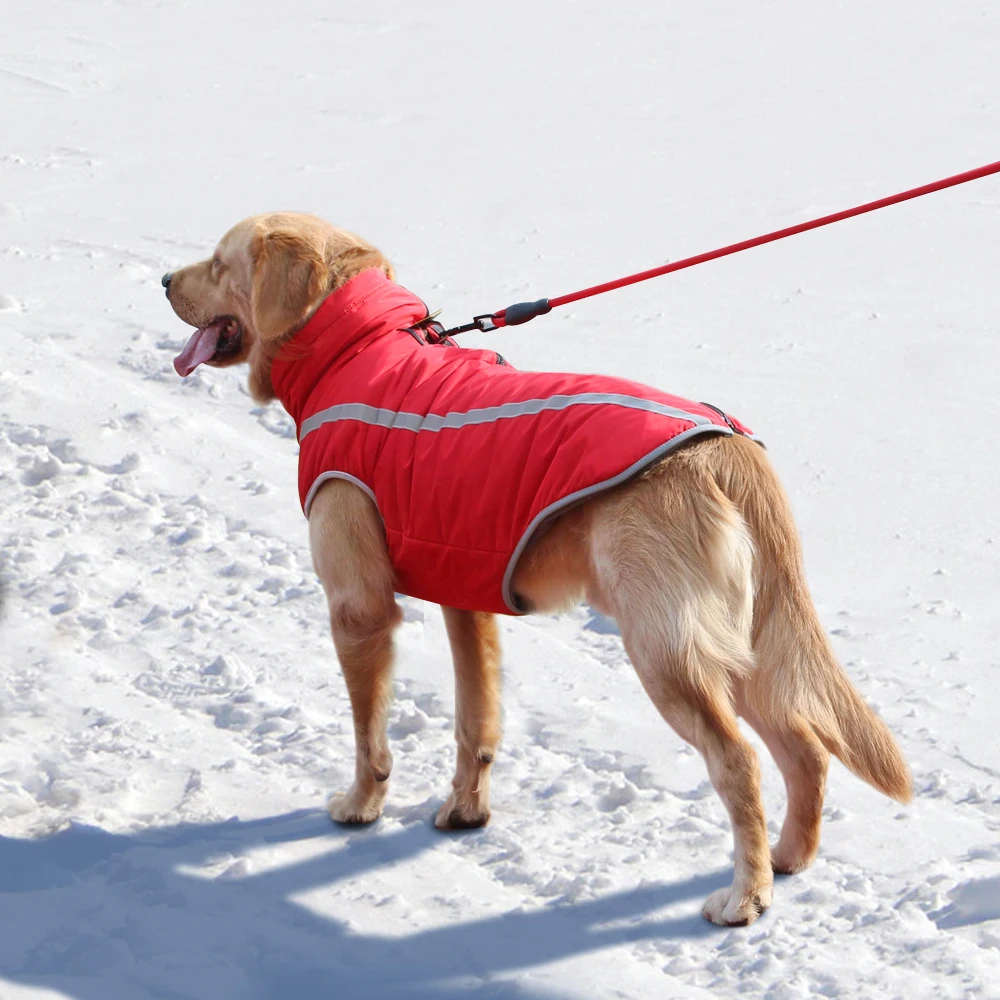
[(165, 281)]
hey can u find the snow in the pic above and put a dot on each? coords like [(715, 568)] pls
[(171, 714)]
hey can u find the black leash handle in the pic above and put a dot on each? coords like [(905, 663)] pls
[(513, 315), (521, 312)]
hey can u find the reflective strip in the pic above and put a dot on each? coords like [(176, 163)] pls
[(433, 422)]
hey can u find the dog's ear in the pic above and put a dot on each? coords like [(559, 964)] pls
[(290, 276), (351, 262)]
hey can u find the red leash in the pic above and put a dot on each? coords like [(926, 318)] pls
[(521, 312)]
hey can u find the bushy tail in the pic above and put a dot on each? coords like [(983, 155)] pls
[(859, 738), (798, 678)]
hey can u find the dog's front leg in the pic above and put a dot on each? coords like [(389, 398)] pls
[(475, 648), (364, 646), (352, 561)]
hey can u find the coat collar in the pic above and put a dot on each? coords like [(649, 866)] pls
[(366, 307)]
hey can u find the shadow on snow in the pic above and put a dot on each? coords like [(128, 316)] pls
[(100, 916)]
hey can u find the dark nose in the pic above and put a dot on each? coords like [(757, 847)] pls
[(165, 281)]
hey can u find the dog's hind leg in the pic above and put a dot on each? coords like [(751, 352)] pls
[(799, 698), (803, 761), (475, 647), (351, 560), (704, 717), (673, 564)]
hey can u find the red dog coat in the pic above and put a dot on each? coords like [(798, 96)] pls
[(464, 456)]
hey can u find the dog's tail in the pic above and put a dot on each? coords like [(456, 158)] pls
[(797, 678)]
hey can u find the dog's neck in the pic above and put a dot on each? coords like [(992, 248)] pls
[(366, 307)]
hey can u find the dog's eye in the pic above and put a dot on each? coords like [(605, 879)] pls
[(216, 266)]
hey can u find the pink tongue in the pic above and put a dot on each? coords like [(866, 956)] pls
[(198, 349)]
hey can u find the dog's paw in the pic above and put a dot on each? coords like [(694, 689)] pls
[(729, 908), (790, 862), (454, 815), (795, 850), (355, 807)]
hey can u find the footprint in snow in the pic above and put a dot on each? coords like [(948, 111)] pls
[(40, 470), (972, 902)]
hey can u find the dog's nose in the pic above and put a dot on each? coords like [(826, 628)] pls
[(165, 281)]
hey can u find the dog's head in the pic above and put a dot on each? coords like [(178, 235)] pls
[(268, 275)]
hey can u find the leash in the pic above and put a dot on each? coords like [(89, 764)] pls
[(521, 312)]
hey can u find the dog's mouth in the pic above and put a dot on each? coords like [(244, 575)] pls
[(216, 341)]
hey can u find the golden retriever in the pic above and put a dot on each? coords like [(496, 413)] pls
[(697, 559)]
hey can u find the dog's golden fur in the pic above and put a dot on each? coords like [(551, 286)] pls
[(697, 560)]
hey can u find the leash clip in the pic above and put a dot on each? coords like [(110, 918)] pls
[(483, 323)]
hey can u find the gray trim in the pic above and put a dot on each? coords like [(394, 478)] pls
[(323, 477), (554, 508), (413, 421), (487, 415)]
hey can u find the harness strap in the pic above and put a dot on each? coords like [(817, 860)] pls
[(725, 416), (429, 331)]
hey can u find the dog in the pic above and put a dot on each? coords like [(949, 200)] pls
[(693, 552)]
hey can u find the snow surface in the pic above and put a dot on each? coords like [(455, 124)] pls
[(173, 718)]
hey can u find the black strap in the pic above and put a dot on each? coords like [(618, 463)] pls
[(429, 331), (725, 416)]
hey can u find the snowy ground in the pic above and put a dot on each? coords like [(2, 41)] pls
[(172, 714)]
